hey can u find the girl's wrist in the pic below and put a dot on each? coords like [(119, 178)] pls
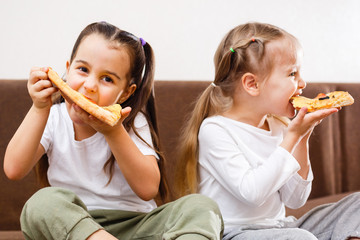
[(290, 141), (41, 110), (115, 131)]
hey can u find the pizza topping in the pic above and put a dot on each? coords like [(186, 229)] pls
[(336, 99)]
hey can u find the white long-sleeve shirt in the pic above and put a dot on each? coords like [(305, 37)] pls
[(247, 173)]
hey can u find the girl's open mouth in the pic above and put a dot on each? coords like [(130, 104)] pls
[(89, 99)]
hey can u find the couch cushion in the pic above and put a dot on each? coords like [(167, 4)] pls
[(11, 235)]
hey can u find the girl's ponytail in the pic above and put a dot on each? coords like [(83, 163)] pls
[(186, 174), (143, 77), (150, 110), (143, 100), (148, 83)]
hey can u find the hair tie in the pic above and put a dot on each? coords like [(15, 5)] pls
[(253, 39), (143, 42), (231, 49), (213, 84)]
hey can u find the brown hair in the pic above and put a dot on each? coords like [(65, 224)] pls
[(141, 74), (244, 49)]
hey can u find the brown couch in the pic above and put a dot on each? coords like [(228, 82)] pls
[(334, 147)]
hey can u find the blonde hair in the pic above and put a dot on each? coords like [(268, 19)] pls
[(244, 49)]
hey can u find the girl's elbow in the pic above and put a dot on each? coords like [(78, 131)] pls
[(254, 202), (252, 198), (147, 197), (148, 194), (12, 173)]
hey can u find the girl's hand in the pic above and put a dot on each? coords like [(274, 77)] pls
[(304, 122), (302, 126), (40, 88), (97, 124)]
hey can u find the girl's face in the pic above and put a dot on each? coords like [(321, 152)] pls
[(285, 80), (100, 72)]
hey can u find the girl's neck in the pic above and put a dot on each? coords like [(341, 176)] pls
[(82, 132), (248, 116)]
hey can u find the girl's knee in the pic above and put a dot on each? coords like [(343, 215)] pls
[(355, 196), (199, 204), (301, 234), (194, 212), (45, 201), (351, 200), (39, 200), (200, 201), (36, 207), (294, 233)]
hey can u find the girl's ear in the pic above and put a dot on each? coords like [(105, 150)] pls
[(67, 67), (250, 84), (127, 93)]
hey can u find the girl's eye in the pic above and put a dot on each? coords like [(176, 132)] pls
[(292, 74), (108, 79), (83, 69)]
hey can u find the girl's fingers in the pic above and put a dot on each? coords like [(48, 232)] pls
[(80, 111), (37, 74), (91, 120), (302, 113), (43, 69), (42, 84), (125, 112), (305, 121), (321, 114), (44, 95), (82, 114)]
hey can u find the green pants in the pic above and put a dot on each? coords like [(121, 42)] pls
[(55, 213)]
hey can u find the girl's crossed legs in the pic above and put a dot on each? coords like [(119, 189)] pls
[(338, 221), (56, 213)]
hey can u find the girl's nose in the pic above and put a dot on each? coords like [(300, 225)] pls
[(302, 84), (90, 84)]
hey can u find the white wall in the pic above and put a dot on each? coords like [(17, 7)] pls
[(183, 33)]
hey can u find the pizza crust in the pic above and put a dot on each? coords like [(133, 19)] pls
[(335, 99), (110, 114)]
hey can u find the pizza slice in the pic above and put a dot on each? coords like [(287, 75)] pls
[(334, 99), (110, 114)]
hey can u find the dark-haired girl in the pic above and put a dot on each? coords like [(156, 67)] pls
[(103, 179)]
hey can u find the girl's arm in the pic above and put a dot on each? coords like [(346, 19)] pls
[(237, 168), (141, 172), (297, 137), (24, 149), (301, 154), (297, 189)]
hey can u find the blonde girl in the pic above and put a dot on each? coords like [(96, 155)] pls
[(103, 180), (240, 148)]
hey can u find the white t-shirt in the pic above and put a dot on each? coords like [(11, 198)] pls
[(78, 165), (247, 173)]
